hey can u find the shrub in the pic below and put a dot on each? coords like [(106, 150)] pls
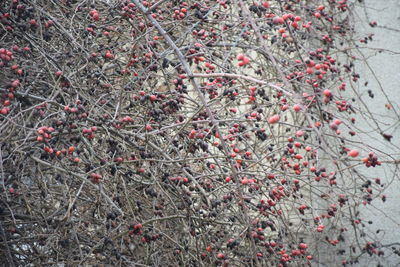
[(197, 133)]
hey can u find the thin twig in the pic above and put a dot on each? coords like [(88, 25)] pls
[(240, 76), (83, 178)]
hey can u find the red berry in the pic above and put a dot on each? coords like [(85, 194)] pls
[(297, 107), (274, 119), (278, 20), (221, 256), (327, 93), (299, 133), (303, 246), (4, 111), (353, 153), (109, 55), (15, 83)]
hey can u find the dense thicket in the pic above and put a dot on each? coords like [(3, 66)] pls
[(173, 133)]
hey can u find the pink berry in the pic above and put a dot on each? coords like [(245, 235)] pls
[(327, 93), (297, 107), (274, 119), (353, 153)]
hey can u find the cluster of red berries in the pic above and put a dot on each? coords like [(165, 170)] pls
[(95, 178), (123, 121), (149, 238), (14, 84), (89, 132), (135, 229), (245, 181), (94, 14), (243, 60), (342, 105), (301, 208), (5, 55), (180, 14), (44, 134), (71, 109), (5, 110), (199, 134), (179, 179), (371, 160)]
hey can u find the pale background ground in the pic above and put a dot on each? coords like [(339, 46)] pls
[(387, 68)]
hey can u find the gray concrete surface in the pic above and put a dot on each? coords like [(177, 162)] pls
[(382, 72)]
